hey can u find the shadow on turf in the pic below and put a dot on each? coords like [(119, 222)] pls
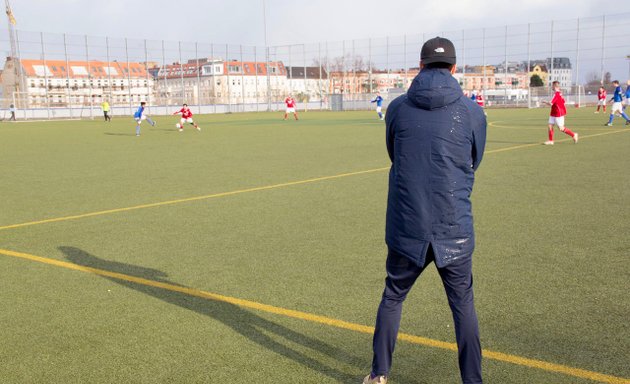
[(246, 323)]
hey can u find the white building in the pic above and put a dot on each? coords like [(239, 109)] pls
[(216, 81), (60, 83), (311, 82)]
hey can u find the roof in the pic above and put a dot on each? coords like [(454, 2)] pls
[(82, 69), (253, 68), (234, 67), (311, 73)]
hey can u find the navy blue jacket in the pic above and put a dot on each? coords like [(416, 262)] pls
[(435, 139)]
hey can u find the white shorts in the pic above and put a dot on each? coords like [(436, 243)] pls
[(188, 120), (617, 107), (379, 109), (601, 102), (626, 102), (139, 119), (290, 110), (559, 121)]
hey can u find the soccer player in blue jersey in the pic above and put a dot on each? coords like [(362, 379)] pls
[(139, 116), (617, 107), (379, 105)]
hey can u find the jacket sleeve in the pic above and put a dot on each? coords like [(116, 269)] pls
[(479, 138), (389, 135), (390, 120)]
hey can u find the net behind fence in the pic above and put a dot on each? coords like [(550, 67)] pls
[(69, 76)]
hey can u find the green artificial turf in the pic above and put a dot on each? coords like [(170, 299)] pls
[(551, 263)]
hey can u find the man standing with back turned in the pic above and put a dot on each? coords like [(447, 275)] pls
[(435, 139)]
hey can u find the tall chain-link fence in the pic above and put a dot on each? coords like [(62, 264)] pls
[(70, 76)]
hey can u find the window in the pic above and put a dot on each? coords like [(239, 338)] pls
[(111, 71), (79, 70), (41, 70)]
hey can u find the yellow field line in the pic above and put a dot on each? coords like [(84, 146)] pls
[(542, 126), (499, 356), (189, 199), (255, 189), (557, 141)]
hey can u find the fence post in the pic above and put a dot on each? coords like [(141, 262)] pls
[(21, 81), (353, 80), (405, 60), (229, 89), (89, 69), (370, 65), (290, 66), (146, 70), (65, 52), (164, 69), (109, 72), (551, 76), (387, 57), (464, 58), (198, 70), (343, 68), (214, 84), (267, 68), (128, 76), (577, 64), (305, 84), (529, 65), (242, 79), (319, 62), (256, 76), (603, 47), (181, 72), (41, 35), (505, 72), (483, 62), (330, 82)]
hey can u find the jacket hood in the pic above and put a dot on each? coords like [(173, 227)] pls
[(434, 88)]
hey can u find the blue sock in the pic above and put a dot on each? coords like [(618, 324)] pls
[(623, 114), (612, 116), (150, 121), (380, 115), (138, 129)]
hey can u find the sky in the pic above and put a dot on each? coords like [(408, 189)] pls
[(294, 21), (297, 21)]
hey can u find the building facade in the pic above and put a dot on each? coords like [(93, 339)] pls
[(59, 83), (216, 81)]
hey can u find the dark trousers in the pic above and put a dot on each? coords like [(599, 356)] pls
[(458, 283)]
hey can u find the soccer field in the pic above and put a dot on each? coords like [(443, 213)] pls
[(253, 252)]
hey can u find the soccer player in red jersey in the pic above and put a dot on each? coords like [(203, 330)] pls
[(479, 99), (556, 117), (290, 102), (186, 118), (601, 99)]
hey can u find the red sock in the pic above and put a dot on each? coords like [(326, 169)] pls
[(568, 132), (551, 134)]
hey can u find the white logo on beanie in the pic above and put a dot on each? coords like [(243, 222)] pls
[(439, 50)]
